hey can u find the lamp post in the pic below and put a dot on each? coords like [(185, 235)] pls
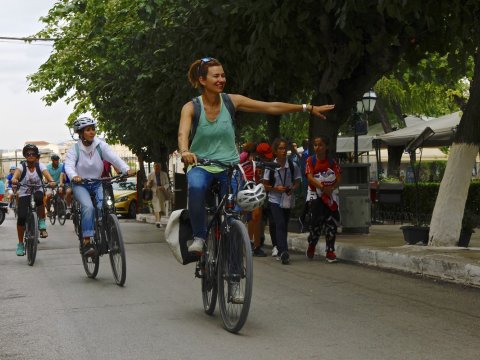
[(360, 126)]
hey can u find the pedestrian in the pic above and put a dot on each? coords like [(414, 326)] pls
[(254, 217), (157, 180), (324, 177), (281, 184), (264, 153)]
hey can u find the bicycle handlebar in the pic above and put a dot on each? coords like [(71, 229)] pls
[(111, 179)]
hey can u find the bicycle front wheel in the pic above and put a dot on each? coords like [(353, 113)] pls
[(208, 264), (61, 211), (91, 263), (116, 250), (31, 238), (235, 276)]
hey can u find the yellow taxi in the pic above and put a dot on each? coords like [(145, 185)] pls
[(125, 194)]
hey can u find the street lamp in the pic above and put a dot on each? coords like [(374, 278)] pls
[(364, 106)]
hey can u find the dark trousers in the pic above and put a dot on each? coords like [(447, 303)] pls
[(280, 217), (323, 218)]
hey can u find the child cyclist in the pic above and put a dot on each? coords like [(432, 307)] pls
[(85, 161), (323, 175), (30, 174)]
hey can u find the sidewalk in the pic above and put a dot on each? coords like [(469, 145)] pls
[(385, 248)]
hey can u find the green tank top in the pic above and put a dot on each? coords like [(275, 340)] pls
[(215, 140)]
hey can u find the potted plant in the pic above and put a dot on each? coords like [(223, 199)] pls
[(469, 222)]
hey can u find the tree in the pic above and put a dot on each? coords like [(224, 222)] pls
[(449, 207)]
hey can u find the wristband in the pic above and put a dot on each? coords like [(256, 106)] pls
[(304, 107)]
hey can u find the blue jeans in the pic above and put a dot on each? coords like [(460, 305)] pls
[(281, 217), (199, 181), (82, 195)]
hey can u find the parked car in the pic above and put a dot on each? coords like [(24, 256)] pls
[(125, 194)]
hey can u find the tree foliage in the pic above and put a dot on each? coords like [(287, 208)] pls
[(126, 61)]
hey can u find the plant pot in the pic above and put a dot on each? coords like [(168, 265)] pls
[(464, 238), (415, 234)]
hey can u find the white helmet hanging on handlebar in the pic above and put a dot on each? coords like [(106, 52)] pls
[(252, 196)]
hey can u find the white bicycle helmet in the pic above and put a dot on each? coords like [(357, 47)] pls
[(252, 196), (83, 122)]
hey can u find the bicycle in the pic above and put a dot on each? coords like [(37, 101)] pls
[(107, 238), (56, 207), (225, 267), (32, 232), (75, 216)]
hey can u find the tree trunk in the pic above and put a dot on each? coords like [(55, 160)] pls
[(448, 211), (273, 127), (450, 204)]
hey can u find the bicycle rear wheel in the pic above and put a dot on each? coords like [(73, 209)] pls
[(31, 238), (117, 250), (51, 211), (235, 276), (61, 211), (208, 265)]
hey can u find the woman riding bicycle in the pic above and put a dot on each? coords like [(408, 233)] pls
[(84, 160), (215, 137), (30, 174)]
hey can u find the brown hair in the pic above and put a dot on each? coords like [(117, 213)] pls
[(276, 144), (200, 68)]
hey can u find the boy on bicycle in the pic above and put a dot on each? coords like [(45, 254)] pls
[(30, 173)]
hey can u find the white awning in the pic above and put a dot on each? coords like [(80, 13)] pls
[(444, 128), (347, 144)]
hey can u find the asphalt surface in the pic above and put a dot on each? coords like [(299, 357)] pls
[(306, 310)]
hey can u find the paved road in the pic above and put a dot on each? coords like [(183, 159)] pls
[(307, 310)]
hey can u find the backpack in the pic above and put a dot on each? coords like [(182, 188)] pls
[(292, 172), (24, 171), (197, 110), (77, 150)]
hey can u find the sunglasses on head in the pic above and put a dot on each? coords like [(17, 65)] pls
[(28, 154), (204, 61)]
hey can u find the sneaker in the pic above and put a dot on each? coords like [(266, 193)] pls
[(274, 251), (310, 251), (158, 225), (285, 257), (20, 249), (197, 245), (331, 257), (259, 252), (235, 293)]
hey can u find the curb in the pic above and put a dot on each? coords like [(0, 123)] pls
[(408, 258), (411, 259)]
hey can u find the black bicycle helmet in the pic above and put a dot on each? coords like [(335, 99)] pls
[(30, 147), (55, 157)]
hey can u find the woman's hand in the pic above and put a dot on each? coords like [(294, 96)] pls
[(319, 110), (77, 179), (131, 172), (52, 184), (189, 158)]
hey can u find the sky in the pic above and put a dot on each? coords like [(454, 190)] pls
[(23, 115)]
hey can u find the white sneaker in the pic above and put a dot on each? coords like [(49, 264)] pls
[(274, 251), (197, 245), (237, 297), (159, 225)]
